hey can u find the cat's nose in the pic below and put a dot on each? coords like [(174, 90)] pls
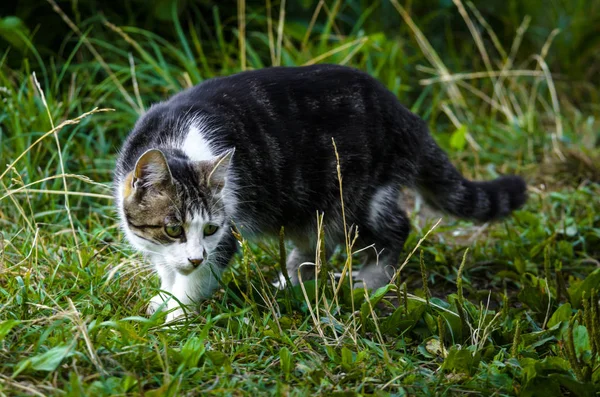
[(196, 262)]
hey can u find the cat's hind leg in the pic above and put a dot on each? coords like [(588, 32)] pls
[(386, 227), (300, 265)]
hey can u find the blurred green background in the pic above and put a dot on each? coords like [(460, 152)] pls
[(574, 56)]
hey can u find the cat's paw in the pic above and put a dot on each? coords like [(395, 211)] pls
[(155, 304), (281, 283), (176, 314), (373, 277)]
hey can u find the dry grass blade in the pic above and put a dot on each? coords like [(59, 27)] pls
[(270, 34), (313, 316), (331, 17), (498, 91), (280, 25), (312, 22), (33, 247), (348, 242), (480, 75), (358, 42), (346, 234), (59, 127), (474, 33), (553, 96), (25, 188), (80, 324), (430, 53), (386, 355), (353, 52), (242, 32), (20, 209), (136, 88), (21, 386), (397, 274), (488, 29), (47, 191), (1, 253), (62, 170)]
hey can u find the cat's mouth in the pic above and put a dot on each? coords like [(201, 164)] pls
[(186, 270)]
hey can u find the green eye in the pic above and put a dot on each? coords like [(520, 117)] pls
[(174, 230), (209, 229)]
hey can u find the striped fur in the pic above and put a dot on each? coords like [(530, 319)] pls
[(281, 123)]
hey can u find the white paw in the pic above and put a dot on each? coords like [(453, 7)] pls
[(373, 277), (175, 314), (280, 283), (155, 304)]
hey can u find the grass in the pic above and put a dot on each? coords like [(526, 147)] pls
[(507, 308)]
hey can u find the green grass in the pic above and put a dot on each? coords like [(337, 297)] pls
[(506, 308)]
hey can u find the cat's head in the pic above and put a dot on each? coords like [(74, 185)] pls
[(174, 209)]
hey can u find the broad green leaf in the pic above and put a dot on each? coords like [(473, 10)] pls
[(51, 359), (285, 360), (458, 140), (309, 287), (389, 325), (6, 326), (533, 293), (374, 299), (192, 351), (461, 361), (13, 30), (574, 386), (533, 367), (539, 376), (347, 359), (217, 358), (47, 361), (581, 340), (576, 292), (563, 313), (541, 386), (434, 347)]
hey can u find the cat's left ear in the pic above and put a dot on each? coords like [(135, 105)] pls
[(151, 169), (220, 166)]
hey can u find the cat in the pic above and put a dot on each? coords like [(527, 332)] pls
[(255, 150)]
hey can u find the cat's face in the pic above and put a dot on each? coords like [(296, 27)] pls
[(173, 211)]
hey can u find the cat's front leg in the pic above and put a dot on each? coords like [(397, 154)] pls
[(202, 282), (167, 279), (193, 288)]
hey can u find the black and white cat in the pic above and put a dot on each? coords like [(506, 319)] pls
[(255, 150)]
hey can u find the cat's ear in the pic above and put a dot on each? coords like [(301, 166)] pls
[(151, 169), (218, 175)]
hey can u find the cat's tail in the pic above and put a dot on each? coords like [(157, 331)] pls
[(444, 188)]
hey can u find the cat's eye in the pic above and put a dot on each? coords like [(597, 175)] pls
[(210, 229), (174, 230)]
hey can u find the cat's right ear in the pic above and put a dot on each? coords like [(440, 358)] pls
[(151, 170), (219, 168)]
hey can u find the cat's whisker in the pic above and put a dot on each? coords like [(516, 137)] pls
[(136, 270)]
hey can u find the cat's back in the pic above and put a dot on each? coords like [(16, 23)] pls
[(289, 92)]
